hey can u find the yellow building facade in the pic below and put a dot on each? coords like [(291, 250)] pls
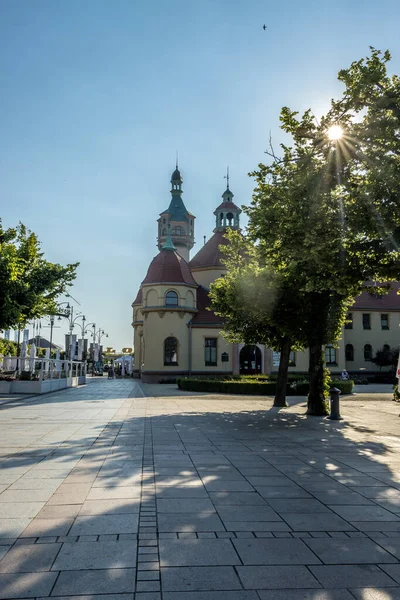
[(176, 335)]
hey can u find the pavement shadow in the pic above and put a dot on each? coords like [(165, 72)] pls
[(177, 467)]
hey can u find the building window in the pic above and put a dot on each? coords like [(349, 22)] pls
[(229, 218), (170, 351), (367, 352), (349, 352), (164, 232), (385, 321), (171, 299), (177, 230), (386, 347), (292, 359), (210, 352), (366, 321), (330, 355), (349, 321)]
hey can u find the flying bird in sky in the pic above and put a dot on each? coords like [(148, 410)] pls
[(264, 27)]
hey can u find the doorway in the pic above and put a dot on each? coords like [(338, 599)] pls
[(250, 360)]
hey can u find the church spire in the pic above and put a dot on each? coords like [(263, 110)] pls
[(180, 220), (227, 213)]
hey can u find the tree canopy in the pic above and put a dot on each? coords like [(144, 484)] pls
[(29, 284), (325, 213)]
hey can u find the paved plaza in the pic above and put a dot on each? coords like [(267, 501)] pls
[(117, 491)]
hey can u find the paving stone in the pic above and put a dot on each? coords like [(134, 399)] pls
[(115, 506), (181, 505), (29, 558), (199, 579), (333, 497), (149, 566), (102, 555), (256, 526), (288, 491), (206, 521), (305, 595), (13, 527), (317, 522), (393, 571), (105, 524), (147, 586), (385, 526), (297, 505), (277, 577), (176, 553), (349, 551), (247, 513), (110, 493), (184, 493), (59, 512), (365, 513), (107, 581), (237, 499), (349, 576), (274, 552), (376, 594), (228, 486), (242, 595), (26, 585), (153, 575), (96, 597), (47, 527)]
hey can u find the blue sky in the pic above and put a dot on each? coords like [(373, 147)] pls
[(97, 96)]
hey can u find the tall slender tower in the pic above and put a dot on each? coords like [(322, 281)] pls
[(180, 220)]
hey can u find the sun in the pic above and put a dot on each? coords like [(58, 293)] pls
[(335, 132)]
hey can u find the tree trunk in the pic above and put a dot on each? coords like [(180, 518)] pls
[(281, 382), (317, 404)]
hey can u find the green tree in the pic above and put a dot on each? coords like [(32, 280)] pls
[(386, 357), (258, 305), (29, 284), (328, 210)]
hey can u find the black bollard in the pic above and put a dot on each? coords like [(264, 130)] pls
[(335, 405)]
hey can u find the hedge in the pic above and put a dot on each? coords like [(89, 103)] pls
[(253, 388)]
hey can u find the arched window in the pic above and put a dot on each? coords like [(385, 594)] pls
[(177, 230), (330, 355), (349, 352), (386, 347), (164, 232), (171, 299), (229, 218), (367, 352), (170, 351), (221, 219)]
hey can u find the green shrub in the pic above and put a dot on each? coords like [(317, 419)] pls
[(257, 388), (253, 387), (344, 385)]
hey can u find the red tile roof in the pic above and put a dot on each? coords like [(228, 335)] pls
[(204, 316), (390, 301), (210, 254), (139, 297), (169, 267)]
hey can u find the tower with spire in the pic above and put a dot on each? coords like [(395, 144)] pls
[(177, 219), (227, 213)]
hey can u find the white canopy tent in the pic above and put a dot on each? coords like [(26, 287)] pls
[(126, 362)]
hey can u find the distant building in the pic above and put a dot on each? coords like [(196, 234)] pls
[(41, 342), (176, 335)]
